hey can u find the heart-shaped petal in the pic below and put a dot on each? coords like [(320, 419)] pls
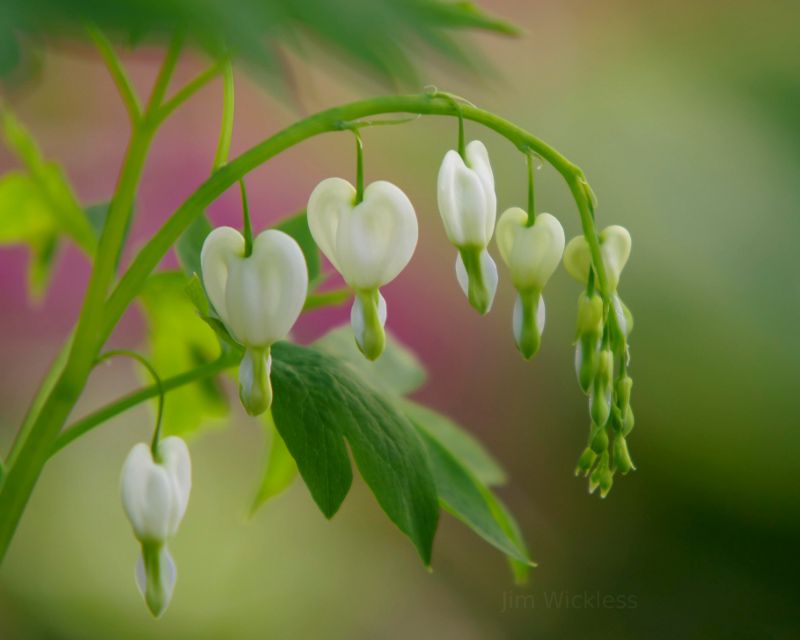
[(176, 460), (466, 197), (615, 248), (265, 292), (329, 200), (531, 253), (369, 243), (220, 246)]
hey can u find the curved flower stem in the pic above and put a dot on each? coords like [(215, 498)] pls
[(112, 409), (159, 387), (338, 119), (228, 108), (189, 90)]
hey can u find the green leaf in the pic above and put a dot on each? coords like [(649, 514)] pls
[(458, 441), (502, 515), (280, 470), (179, 341), (383, 38), (397, 371), (190, 244), (50, 182), (465, 497), (297, 227), (318, 404), (25, 219)]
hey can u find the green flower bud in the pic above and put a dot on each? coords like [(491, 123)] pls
[(627, 422), (255, 388), (590, 315), (476, 273), (368, 317), (585, 462), (602, 388), (599, 441), (623, 390), (155, 577), (587, 352), (622, 458), (528, 322)]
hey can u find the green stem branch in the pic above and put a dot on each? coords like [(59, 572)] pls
[(96, 418), (118, 74)]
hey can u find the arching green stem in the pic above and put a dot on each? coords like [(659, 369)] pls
[(159, 388)]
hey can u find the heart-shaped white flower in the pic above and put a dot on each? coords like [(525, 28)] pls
[(259, 297), (155, 494), (615, 248), (467, 201), (369, 243), (531, 253)]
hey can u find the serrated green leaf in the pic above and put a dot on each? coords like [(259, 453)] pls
[(297, 227), (397, 371), (51, 183), (464, 446), (318, 405), (280, 469), (179, 341), (385, 38), (465, 497)]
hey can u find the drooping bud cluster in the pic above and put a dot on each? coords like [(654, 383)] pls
[(155, 492), (468, 206), (369, 243), (259, 298), (601, 357)]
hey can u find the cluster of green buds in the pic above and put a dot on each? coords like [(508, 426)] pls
[(602, 356)]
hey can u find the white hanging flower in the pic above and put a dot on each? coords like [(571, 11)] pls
[(155, 494), (369, 243), (468, 206), (532, 254), (615, 249), (259, 298)]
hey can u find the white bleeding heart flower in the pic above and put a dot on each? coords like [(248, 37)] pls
[(615, 249), (468, 207), (369, 243), (258, 297), (155, 493), (532, 254)]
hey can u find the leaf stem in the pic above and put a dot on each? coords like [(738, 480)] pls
[(247, 224), (228, 108), (359, 167), (124, 85), (164, 76), (189, 90), (531, 194)]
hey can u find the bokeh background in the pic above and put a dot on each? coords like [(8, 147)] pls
[(684, 115)]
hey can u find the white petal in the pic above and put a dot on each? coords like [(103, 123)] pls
[(446, 196), (536, 252), (175, 457), (219, 247), (490, 277), (328, 202), (377, 238), (511, 220), (478, 159), (266, 291), (147, 495), (615, 248)]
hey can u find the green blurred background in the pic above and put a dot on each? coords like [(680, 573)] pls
[(685, 116)]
